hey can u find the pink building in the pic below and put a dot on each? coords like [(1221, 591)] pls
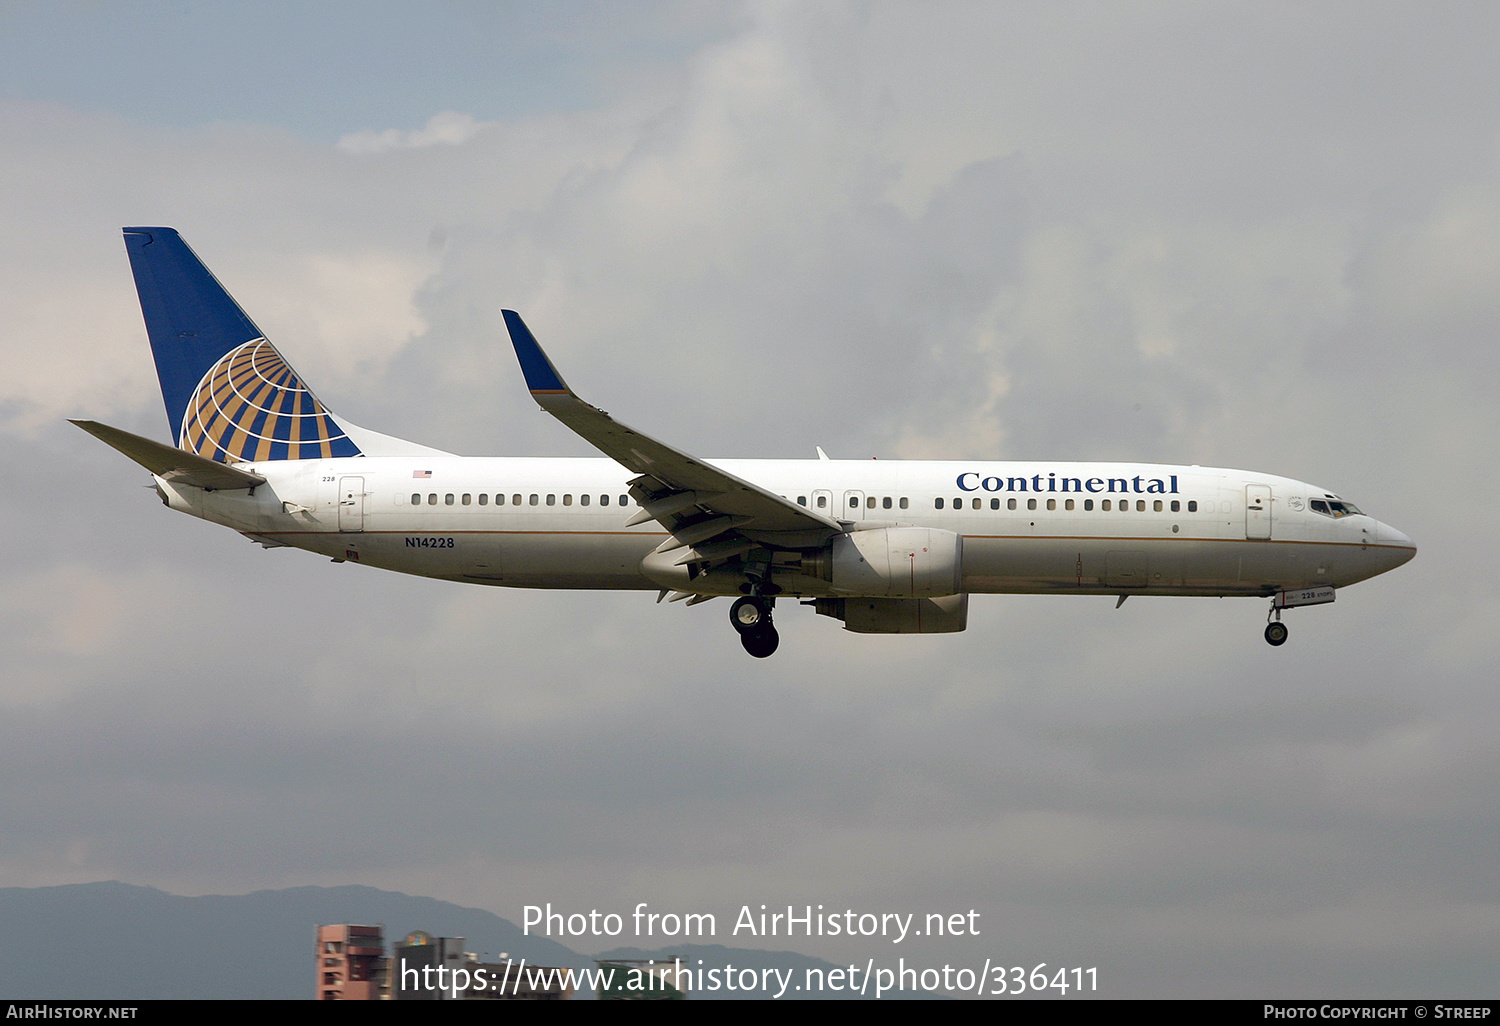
[(351, 963)]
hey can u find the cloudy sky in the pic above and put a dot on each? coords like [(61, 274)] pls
[(1260, 235)]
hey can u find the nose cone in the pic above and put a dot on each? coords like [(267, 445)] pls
[(1397, 547)]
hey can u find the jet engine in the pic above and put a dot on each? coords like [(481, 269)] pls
[(905, 562)]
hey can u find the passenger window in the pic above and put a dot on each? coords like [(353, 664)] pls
[(432, 498), (853, 502), (1192, 505), (870, 502), (604, 500), (994, 504), (1031, 504), (466, 499), (1011, 504), (1088, 505), (937, 503), (416, 498), (624, 499), (583, 500), (958, 503), (534, 498), (551, 499), (1104, 505), (802, 500), (1052, 504), (976, 503), (885, 503), (822, 501), (903, 502), (515, 500), (1176, 506), (1068, 504), (483, 499), (1140, 505), (568, 499), (1156, 506), (448, 499)]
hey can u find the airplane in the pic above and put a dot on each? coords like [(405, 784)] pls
[(885, 546)]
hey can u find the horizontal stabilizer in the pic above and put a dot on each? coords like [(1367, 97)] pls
[(170, 463)]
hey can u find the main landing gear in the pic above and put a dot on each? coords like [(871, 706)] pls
[(751, 616)]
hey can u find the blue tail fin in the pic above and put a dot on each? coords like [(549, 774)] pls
[(229, 394)]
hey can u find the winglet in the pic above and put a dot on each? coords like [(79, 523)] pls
[(541, 377)]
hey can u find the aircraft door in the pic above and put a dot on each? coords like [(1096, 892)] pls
[(853, 508), (1257, 512), (351, 504)]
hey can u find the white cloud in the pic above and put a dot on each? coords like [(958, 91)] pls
[(448, 128), (347, 314)]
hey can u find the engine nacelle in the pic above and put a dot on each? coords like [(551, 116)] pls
[(946, 615), (909, 562)]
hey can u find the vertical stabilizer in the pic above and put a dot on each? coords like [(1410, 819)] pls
[(229, 394)]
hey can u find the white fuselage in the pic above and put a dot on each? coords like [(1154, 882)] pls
[(1029, 527)]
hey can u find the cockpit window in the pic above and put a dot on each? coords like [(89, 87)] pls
[(1333, 508)]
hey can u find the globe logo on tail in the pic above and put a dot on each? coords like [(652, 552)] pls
[(251, 407)]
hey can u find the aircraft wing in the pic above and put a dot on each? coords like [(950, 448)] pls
[(714, 513), (170, 463)]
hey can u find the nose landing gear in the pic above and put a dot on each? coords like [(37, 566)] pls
[(1276, 633), (751, 616), (1310, 596)]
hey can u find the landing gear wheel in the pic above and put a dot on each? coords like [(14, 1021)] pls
[(749, 614), (760, 641), (1276, 633)]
